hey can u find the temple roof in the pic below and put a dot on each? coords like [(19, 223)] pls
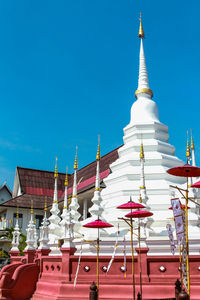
[(35, 184)]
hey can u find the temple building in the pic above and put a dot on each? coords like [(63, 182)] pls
[(136, 169)]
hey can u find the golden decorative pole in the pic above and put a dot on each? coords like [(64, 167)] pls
[(188, 155), (132, 255)]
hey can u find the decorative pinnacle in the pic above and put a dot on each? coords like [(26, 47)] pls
[(188, 154), (45, 203), (31, 206), (98, 157), (75, 162), (141, 151), (140, 198), (66, 177), (141, 31), (56, 169), (192, 142), (17, 216)]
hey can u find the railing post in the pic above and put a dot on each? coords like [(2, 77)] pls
[(177, 288), (93, 292)]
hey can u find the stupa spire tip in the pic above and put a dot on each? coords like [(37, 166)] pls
[(141, 31)]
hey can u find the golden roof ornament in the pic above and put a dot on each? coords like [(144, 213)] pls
[(31, 207), (17, 216), (45, 203), (188, 154), (66, 177), (56, 169), (140, 198), (141, 31), (75, 162), (98, 156), (141, 151), (192, 142)]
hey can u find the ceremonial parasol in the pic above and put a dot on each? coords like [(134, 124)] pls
[(132, 205), (185, 171), (139, 214), (196, 185), (182, 207), (98, 224)]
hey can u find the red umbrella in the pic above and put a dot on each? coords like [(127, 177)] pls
[(196, 185), (185, 171), (182, 207), (139, 214), (97, 224), (131, 205)]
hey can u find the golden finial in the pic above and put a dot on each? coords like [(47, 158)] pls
[(98, 157), (141, 31), (140, 198), (75, 162), (35, 220), (31, 206), (56, 169), (17, 216), (45, 203), (141, 151), (66, 177), (192, 142), (188, 154)]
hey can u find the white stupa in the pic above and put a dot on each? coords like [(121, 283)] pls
[(125, 178)]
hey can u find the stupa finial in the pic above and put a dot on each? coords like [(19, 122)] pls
[(31, 206), (188, 154), (56, 169), (75, 162), (66, 177), (192, 142), (45, 203), (141, 31), (141, 151), (143, 81), (98, 157)]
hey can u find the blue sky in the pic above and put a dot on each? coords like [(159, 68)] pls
[(69, 69)]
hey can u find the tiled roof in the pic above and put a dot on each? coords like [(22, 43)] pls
[(35, 184), (24, 201)]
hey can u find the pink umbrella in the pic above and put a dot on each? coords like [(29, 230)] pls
[(97, 224), (139, 214), (132, 205), (196, 185)]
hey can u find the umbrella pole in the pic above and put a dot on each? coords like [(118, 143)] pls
[(180, 261), (98, 266), (140, 263), (186, 236), (132, 254)]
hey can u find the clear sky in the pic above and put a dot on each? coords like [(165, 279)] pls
[(69, 69)]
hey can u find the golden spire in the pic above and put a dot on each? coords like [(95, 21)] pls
[(45, 203), (141, 151), (192, 142), (98, 157), (188, 154), (66, 177), (56, 169), (31, 206), (141, 31), (75, 162), (17, 216)]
